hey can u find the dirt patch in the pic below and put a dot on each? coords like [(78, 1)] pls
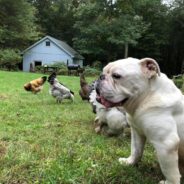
[(3, 96), (3, 148)]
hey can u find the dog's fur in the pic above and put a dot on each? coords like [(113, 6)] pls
[(35, 85), (111, 121), (58, 90), (156, 107)]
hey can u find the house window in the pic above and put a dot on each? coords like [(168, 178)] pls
[(38, 63), (47, 43)]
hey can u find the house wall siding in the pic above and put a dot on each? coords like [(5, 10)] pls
[(46, 54)]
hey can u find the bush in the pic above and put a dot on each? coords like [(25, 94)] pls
[(63, 70), (89, 71), (179, 83), (39, 69), (60, 65), (9, 59), (178, 80), (97, 65)]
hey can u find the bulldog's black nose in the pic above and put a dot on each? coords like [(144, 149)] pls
[(102, 77)]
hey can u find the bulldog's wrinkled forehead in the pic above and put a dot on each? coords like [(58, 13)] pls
[(121, 65)]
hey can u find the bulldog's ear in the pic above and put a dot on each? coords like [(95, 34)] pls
[(150, 67), (107, 67)]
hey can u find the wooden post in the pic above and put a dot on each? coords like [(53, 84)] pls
[(126, 50)]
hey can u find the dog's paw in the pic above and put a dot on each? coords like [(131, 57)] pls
[(126, 161)]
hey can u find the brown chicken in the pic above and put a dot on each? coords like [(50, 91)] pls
[(86, 89), (35, 85)]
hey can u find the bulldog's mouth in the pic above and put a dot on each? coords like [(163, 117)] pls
[(109, 104)]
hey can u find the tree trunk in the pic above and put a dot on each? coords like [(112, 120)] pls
[(126, 50)]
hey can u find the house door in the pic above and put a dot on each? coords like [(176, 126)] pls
[(38, 63)]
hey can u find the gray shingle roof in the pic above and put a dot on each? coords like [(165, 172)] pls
[(61, 44)]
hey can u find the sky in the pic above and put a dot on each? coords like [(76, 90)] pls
[(167, 1), (164, 1)]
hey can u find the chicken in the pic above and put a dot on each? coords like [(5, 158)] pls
[(58, 90), (86, 89), (35, 85), (111, 121)]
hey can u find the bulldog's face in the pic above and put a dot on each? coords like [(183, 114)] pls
[(124, 80)]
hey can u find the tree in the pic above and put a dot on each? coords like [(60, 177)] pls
[(17, 23), (108, 31), (126, 30), (175, 53), (56, 17), (155, 39)]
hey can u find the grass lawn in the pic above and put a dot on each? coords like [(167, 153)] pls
[(44, 142)]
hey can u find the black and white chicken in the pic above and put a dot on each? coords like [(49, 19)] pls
[(108, 121), (58, 90)]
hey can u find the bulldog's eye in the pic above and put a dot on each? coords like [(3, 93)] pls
[(116, 76)]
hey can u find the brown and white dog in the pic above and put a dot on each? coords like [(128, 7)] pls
[(35, 85), (156, 107)]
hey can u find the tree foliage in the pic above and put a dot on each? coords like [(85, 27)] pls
[(175, 53), (56, 17), (108, 31), (17, 29), (102, 30), (17, 23)]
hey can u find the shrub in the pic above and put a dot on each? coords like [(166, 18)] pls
[(89, 71), (178, 80), (97, 65), (63, 71), (39, 69), (9, 59), (60, 65), (62, 68), (179, 83)]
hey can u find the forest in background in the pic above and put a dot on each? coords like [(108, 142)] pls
[(101, 30)]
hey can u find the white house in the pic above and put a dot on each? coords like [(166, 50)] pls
[(48, 51)]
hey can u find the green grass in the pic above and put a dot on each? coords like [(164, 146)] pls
[(48, 143)]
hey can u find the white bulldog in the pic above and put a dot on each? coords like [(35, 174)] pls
[(156, 107)]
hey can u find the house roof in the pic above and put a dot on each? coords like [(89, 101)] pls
[(61, 44)]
